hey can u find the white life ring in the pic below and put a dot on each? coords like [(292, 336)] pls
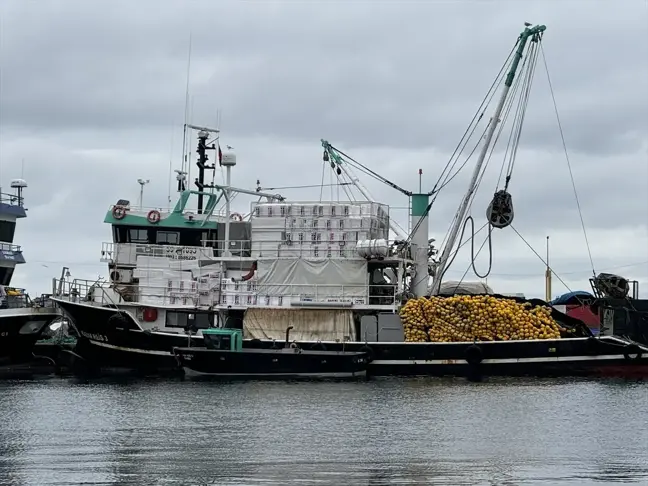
[(153, 216), (119, 212), (236, 217)]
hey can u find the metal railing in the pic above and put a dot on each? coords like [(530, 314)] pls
[(10, 247), (11, 199), (224, 293), (127, 253), (105, 294), (217, 215)]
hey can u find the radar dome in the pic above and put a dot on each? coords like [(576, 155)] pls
[(229, 159), (18, 183)]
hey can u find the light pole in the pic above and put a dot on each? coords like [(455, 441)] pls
[(142, 183)]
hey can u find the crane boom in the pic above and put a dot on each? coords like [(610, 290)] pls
[(529, 32)]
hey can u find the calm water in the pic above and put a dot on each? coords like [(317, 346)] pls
[(392, 431)]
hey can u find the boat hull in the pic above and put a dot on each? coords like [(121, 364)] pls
[(108, 343), (110, 339), (270, 364), (20, 328)]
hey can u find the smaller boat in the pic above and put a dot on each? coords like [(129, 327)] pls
[(224, 356)]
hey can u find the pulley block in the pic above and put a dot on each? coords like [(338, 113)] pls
[(500, 211)]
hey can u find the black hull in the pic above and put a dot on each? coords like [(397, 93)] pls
[(106, 345), (112, 340), (268, 364), (20, 329)]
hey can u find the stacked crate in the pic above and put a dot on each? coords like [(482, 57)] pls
[(315, 230)]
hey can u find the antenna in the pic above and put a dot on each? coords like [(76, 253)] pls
[(142, 183), (186, 111)]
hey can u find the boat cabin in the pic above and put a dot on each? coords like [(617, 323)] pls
[(223, 339)]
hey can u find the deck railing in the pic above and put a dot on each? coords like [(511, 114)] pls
[(226, 293), (127, 253), (10, 247)]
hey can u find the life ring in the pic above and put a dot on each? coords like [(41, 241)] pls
[(474, 354), (236, 217), (119, 212), (153, 216), (369, 352), (149, 314), (632, 352)]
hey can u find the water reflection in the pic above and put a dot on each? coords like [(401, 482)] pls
[(387, 431)]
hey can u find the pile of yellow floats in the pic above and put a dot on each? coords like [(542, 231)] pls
[(476, 317)]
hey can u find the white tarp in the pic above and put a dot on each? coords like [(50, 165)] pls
[(326, 278), (308, 324), (464, 288)]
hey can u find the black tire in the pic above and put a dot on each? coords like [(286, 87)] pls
[(632, 352), (474, 355), (369, 351), (118, 320)]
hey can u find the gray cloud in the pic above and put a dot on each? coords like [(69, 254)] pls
[(100, 87)]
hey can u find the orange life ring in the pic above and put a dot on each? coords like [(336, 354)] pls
[(149, 314), (153, 216), (236, 217), (119, 212)]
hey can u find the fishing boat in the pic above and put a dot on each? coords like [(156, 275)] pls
[(22, 320), (328, 268), (224, 356)]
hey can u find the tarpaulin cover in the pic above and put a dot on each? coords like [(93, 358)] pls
[(308, 324), (464, 288), (330, 278)]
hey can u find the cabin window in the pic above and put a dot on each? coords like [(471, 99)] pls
[(314, 210), (319, 237), (7, 229), (316, 251), (314, 224), (182, 319), (221, 342), (341, 224), (283, 210), (332, 210), (269, 210), (301, 237), (346, 210), (167, 238), (302, 211), (313, 237), (137, 236), (256, 211), (328, 224), (328, 252)]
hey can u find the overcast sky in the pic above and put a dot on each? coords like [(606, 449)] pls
[(92, 98)]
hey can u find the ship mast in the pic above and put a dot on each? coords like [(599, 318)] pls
[(529, 32)]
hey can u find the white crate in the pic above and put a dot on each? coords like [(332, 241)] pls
[(238, 299)]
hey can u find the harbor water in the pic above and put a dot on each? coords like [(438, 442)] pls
[(60, 431)]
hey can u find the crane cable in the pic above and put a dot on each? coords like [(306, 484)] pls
[(499, 78), (571, 174), (502, 198)]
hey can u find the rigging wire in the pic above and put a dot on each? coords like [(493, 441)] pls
[(487, 99), (571, 175), (523, 81), (322, 184), (541, 259)]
